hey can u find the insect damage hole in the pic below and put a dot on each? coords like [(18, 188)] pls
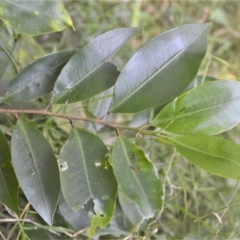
[(105, 197), (97, 163), (134, 168), (63, 166)]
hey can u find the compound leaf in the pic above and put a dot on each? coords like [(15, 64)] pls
[(35, 17), (86, 174), (213, 154), (8, 180), (36, 169), (210, 109), (137, 177), (87, 69), (161, 69), (37, 78)]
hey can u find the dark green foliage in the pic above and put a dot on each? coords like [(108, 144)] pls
[(77, 180)]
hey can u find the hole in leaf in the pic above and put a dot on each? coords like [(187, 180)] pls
[(134, 168), (105, 197), (33, 172), (89, 207), (97, 163), (101, 215), (63, 166), (55, 93)]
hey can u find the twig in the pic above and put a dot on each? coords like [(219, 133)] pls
[(70, 118), (219, 209), (2, 236), (30, 221), (131, 236), (75, 234)]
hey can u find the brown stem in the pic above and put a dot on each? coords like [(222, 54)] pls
[(70, 118)]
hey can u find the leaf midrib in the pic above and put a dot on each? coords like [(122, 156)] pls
[(80, 80), (83, 160), (129, 163), (157, 72), (28, 146), (33, 79), (200, 110), (205, 153)]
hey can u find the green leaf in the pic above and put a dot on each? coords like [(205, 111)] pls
[(36, 169), (117, 222), (213, 154), (161, 69), (37, 78), (87, 70), (78, 220), (8, 180), (35, 17), (137, 177), (94, 83), (200, 79), (130, 210), (86, 174), (210, 109)]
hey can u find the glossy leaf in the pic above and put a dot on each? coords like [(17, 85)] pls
[(96, 82), (35, 17), (87, 69), (213, 154), (211, 108), (8, 180), (36, 169), (137, 177), (37, 78), (161, 69), (86, 174)]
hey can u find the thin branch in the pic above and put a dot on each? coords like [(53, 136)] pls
[(2, 236), (70, 118), (219, 209), (34, 223)]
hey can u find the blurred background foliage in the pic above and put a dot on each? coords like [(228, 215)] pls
[(197, 205)]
